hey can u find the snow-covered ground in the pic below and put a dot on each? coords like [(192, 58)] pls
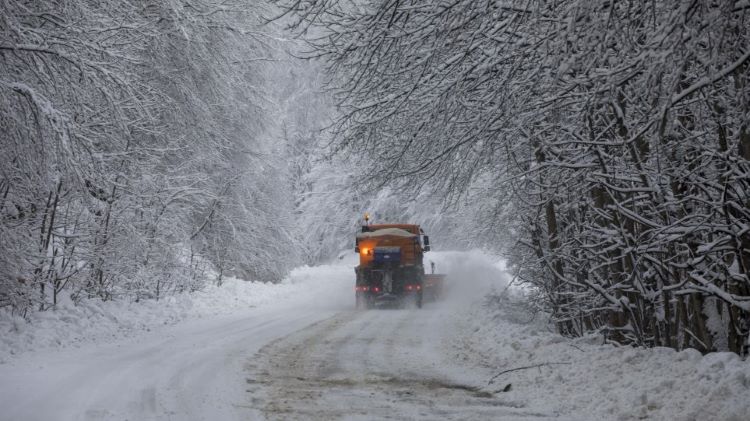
[(584, 379), (298, 350), (180, 359), (94, 321)]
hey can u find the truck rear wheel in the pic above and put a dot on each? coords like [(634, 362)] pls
[(363, 302)]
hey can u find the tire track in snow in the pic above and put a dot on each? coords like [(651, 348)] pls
[(381, 364)]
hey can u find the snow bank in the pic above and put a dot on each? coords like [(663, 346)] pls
[(588, 380), (94, 321), (581, 378)]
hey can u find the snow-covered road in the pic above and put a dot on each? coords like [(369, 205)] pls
[(375, 365), (304, 353), (193, 370), (312, 356), (190, 372)]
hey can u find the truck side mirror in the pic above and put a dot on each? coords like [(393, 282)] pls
[(426, 241), (356, 249)]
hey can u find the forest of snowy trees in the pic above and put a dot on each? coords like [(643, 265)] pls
[(140, 154), (151, 148), (607, 144)]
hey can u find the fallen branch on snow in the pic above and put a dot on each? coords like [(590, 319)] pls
[(522, 368)]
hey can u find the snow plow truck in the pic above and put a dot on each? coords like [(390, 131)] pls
[(391, 271)]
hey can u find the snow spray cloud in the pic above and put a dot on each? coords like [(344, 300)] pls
[(469, 275)]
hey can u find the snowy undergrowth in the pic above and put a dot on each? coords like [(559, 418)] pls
[(94, 321), (588, 380)]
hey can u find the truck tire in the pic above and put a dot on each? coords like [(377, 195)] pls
[(361, 302)]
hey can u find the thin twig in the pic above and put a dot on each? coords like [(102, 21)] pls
[(522, 368)]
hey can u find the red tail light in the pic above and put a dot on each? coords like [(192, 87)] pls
[(361, 288), (409, 287)]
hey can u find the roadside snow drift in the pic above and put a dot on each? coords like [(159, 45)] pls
[(583, 379), (95, 321)]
